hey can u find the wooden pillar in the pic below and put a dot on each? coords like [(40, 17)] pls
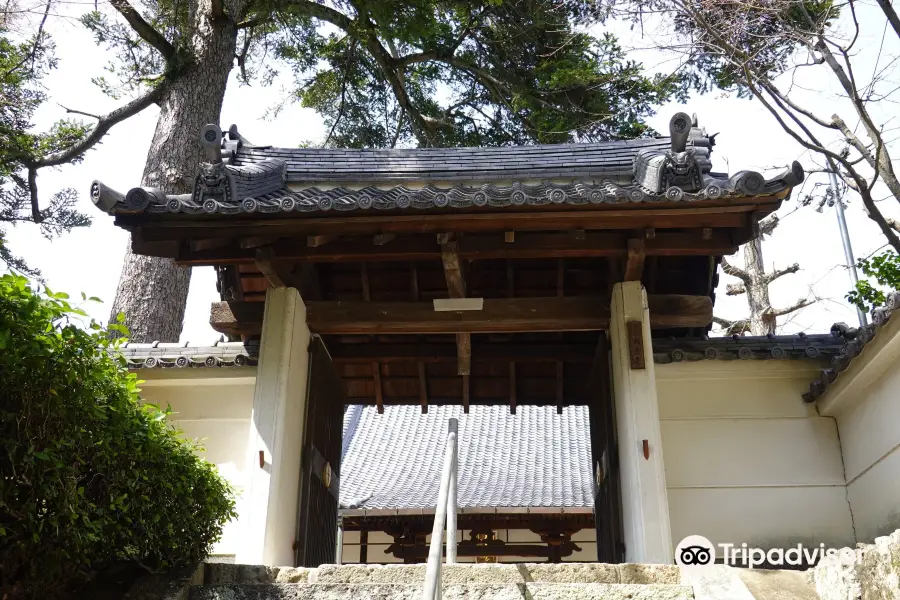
[(645, 506), (269, 507)]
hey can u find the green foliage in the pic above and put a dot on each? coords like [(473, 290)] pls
[(88, 475), (480, 73), (885, 270), (22, 65)]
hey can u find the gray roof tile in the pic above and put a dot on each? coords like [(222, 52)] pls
[(535, 458)]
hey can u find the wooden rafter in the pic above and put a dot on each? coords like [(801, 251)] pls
[(498, 315), (560, 386)]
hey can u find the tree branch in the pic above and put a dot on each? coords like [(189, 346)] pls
[(144, 29), (732, 327), (735, 289), (767, 226), (891, 14), (802, 303), (734, 271), (103, 125), (770, 277)]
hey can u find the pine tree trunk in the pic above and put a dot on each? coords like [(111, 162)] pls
[(152, 291), (762, 320)]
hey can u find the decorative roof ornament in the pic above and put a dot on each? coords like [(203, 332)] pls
[(239, 177)]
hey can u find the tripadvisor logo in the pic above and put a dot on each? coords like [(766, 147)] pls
[(695, 551)]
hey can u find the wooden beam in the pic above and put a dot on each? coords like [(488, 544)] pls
[(383, 238), (317, 241), (463, 353), (634, 268), (473, 247), (364, 282), (499, 315), (388, 352), (732, 215), (423, 388), (379, 397)]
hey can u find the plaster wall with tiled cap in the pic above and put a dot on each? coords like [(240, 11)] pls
[(863, 396)]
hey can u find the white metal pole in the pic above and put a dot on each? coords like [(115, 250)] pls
[(845, 238), (433, 571), (453, 427), (339, 550)]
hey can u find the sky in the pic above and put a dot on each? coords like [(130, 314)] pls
[(89, 259)]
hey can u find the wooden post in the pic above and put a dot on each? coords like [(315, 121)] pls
[(645, 505)]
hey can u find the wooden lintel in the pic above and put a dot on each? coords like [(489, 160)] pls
[(388, 352), (379, 395), (499, 315), (634, 268), (474, 247), (423, 388)]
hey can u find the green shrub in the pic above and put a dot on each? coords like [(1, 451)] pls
[(88, 476)]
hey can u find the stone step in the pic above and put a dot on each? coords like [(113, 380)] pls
[(468, 591), (222, 573), (778, 585)]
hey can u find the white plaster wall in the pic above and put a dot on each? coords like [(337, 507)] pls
[(215, 409), (865, 400), (746, 460), (378, 543)]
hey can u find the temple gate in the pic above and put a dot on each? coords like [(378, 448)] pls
[(470, 276)]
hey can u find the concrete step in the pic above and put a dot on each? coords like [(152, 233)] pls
[(468, 591)]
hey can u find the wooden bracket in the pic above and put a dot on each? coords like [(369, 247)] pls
[(262, 459), (646, 449), (635, 332)]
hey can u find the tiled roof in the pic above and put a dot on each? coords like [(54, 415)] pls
[(177, 355), (747, 347), (535, 458), (854, 340), (242, 178)]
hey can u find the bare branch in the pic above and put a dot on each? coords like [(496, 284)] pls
[(770, 277), (735, 289), (734, 271), (802, 303), (733, 327), (144, 29), (73, 111), (767, 226)]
